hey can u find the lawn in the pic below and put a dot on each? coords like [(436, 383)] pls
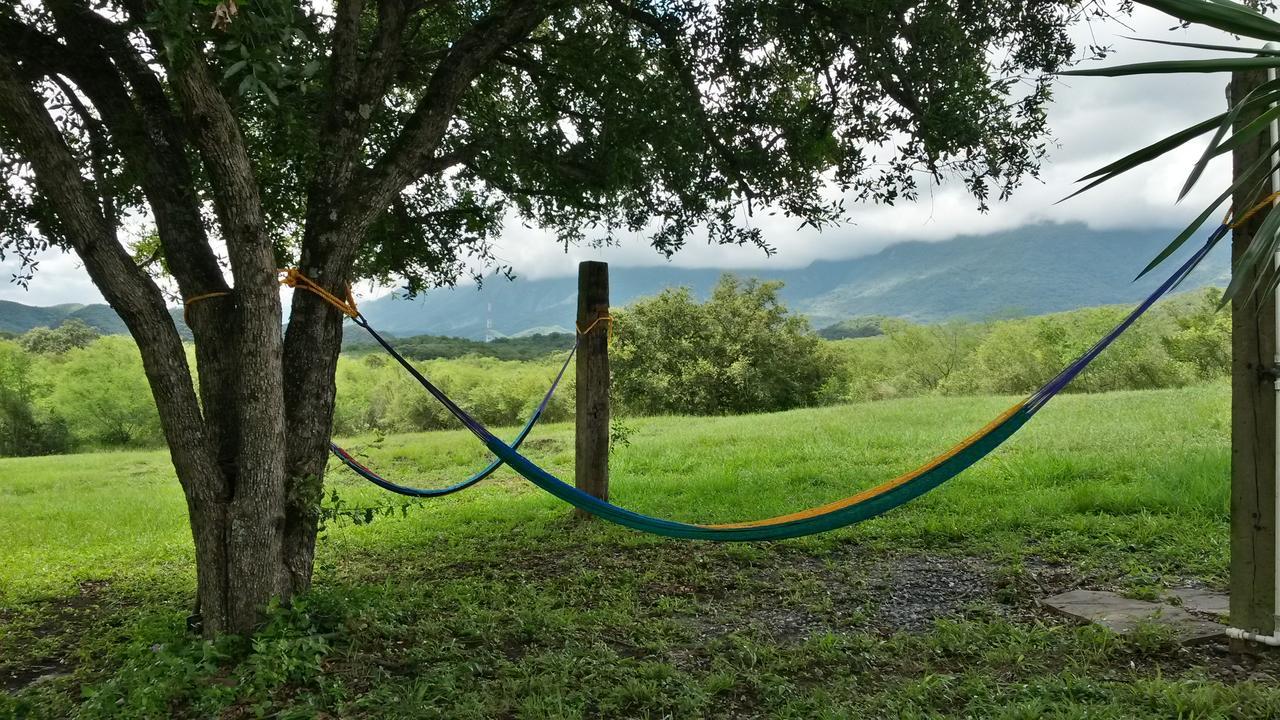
[(493, 603)]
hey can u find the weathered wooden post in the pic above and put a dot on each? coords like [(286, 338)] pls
[(1253, 407), (591, 459)]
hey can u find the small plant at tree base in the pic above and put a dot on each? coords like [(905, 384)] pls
[(619, 433)]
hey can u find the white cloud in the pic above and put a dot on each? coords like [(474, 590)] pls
[(1094, 119)]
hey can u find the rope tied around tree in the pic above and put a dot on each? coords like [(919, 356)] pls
[(294, 278), (1262, 205), (186, 304), (601, 318)]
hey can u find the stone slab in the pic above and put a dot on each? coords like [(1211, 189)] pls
[(1122, 615), (1205, 602)]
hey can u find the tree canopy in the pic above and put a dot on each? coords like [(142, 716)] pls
[(442, 119)]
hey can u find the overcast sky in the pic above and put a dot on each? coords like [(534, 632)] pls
[(1095, 120)]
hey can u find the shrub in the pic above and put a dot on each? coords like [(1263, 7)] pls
[(101, 390), (740, 351)]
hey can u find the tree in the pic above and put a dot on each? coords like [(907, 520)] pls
[(73, 333), (391, 138), (101, 392), (739, 352), (23, 431)]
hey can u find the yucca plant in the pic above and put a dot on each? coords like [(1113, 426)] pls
[(1262, 103)]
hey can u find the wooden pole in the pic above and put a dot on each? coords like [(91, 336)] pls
[(1253, 409), (591, 460)]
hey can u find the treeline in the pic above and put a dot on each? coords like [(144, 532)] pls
[(740, 351), (433, 347), (1182, 341)]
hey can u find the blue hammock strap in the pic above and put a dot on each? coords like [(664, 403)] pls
[(368, 474)]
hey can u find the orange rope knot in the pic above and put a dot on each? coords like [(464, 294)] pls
[(186, 304), (294, 278), (601, 318), (1262, 205)]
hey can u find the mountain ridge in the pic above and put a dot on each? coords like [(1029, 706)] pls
[(1031, 270)]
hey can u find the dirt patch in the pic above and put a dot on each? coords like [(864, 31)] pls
[(57, 624), (912, 592)]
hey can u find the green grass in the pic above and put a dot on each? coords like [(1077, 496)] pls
[(492, 603)]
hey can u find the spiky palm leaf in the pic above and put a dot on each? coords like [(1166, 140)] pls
[(1263, 101)]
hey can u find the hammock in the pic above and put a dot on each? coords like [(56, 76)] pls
[(360, 469), (853, 509)]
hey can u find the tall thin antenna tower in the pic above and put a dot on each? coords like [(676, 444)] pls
[(488, 322)]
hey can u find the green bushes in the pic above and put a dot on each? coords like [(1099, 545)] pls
[(374, 393), (1182, 341), (738, 352), (101, 391)]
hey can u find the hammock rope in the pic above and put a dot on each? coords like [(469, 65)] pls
[(360, 469), (841, 513)]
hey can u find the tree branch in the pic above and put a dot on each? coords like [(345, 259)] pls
[(668, 34), (412, 153), (127, 288)]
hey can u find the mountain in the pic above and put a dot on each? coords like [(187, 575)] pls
[(1028, 271), (18, 318)]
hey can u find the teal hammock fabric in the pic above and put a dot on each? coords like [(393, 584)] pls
[(856, 508), (360, 469)]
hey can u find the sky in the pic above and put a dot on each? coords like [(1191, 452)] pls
[(1094, 121)]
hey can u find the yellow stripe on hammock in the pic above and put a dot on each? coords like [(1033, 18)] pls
[(879, 489)]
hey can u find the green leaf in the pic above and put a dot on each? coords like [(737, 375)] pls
[(1250, 175), (271, 94), (1204, 46), (1163, 67), (1262, 248), (1146, 154), (246, 84), (234, 69), (1227, 123), (1231, 17)]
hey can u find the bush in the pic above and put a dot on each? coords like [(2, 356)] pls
[(25, 430), (102, 392), (375, 393), (738, 352)]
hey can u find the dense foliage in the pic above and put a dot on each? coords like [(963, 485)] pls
[(374, 393), (1184, 340), (740, 351)]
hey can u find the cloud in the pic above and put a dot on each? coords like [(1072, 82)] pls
[(60, 278), (1095, 120)]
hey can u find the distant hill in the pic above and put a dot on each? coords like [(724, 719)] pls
[(1029, 271), (19, 318)]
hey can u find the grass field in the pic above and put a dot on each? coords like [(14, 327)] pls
[(492, 603)]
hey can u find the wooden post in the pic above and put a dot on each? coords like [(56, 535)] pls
[(591, 460), (1253, 410)]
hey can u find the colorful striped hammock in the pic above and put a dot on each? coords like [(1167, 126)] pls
[(853, 509)]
